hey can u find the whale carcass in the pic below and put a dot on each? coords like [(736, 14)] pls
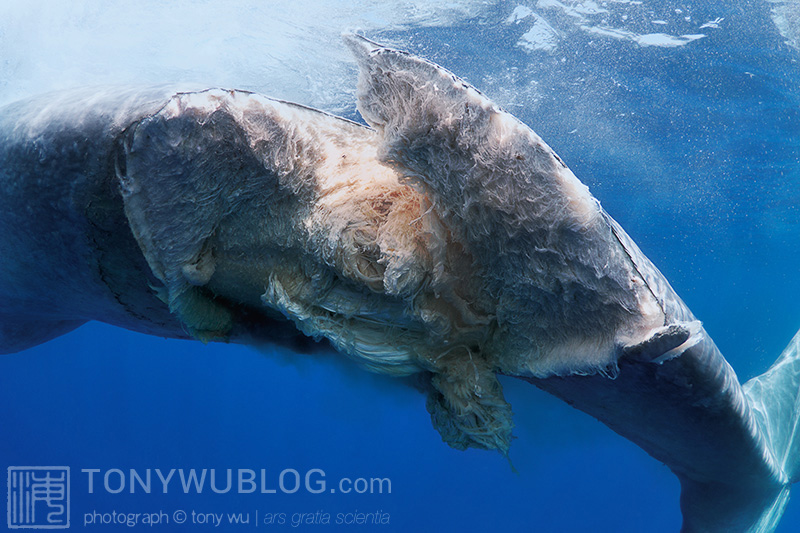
[(446, 240)]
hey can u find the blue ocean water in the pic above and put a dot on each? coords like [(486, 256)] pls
[(692, 144)]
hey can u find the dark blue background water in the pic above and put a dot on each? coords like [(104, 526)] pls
[(694, 150)]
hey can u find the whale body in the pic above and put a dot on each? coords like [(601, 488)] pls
[(444, 240)]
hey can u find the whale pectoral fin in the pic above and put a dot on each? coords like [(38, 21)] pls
[(21, 333), (200, 313)]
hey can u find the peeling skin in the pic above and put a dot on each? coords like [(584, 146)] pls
[(562, 289), (312, 226), (399, 265), (446, 240)]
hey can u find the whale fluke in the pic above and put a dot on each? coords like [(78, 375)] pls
[(775, 399)]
